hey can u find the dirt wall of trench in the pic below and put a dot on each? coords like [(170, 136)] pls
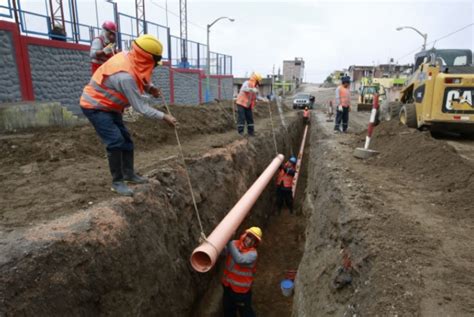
[(333, 221), (130, 256)]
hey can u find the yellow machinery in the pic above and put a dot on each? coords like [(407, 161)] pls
[(439, 95), (366, 97)]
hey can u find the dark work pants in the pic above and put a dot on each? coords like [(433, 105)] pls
[(344, 117), (245, 115), (235, 302), (284, 196), (110, 128)]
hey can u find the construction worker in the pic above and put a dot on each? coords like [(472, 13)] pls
[(116, 85), (239, 272), (246, 99), (306, 115), (103, 46), (284, 183), (343, 105)]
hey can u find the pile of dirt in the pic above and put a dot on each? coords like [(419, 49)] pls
[(49, 172), (429, 160)]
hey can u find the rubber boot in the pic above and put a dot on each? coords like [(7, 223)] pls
[(128, 170), (115, 165)]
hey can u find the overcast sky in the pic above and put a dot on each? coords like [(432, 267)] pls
[(327, 34)]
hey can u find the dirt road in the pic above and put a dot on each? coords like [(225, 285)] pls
[(405, 215)]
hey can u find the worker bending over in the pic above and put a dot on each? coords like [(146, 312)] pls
[(103, 46), (343, 105), (239, 272), (246, 99), (284, 183), (116, 85), (306, 115)]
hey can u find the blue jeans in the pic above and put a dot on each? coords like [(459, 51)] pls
[(110, 128), (344, 117)]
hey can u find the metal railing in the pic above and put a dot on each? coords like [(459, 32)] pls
[(6, 10), (32, 23)]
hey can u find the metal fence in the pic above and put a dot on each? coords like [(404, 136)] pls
[(31, 23)]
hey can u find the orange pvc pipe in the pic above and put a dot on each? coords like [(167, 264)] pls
[(204, 256), (300, 158)]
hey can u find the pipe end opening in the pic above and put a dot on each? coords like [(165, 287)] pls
[(201, 261)]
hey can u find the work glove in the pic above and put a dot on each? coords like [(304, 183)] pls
[(109, 49), (339, 108), (254, 90)]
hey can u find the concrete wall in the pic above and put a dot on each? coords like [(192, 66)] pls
[(161, 79), (59, 74), (186, 88), (9, 79), (227, 88), (45, 70)]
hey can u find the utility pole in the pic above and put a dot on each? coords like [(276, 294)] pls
[(208, 62), (183, 32)]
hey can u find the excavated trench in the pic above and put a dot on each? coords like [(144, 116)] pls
[(130, 256)]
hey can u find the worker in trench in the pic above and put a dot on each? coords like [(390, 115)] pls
[(306, 115), (103, 47), (343, 105), (248, 95), (239, 272), (116, 85), (284, 183)]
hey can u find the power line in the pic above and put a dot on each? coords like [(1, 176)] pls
[(175, 14), (436, 40)]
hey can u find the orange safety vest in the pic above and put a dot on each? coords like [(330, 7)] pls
[(239, 277), (247, 99), (306, 113), (284, 179), (96, 95), (344, 96)]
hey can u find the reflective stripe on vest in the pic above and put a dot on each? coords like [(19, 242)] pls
[(97, 96), (344, 96), (287, 181), (238, 276), (247, 99)]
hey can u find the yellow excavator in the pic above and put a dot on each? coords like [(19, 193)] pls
[(439, 95)]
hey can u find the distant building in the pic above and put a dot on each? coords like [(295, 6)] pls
[(357, 73), (293, 70), (362, 74)]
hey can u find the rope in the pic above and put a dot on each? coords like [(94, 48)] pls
[(203, 236), (273, 128)]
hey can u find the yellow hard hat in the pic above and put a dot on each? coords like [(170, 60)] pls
[(150, 44), (258, 77), (256, 232)]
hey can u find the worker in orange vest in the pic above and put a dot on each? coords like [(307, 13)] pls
[(239, 272), (306, 115), (284, 183), (343, 105), (246, 100), (116, 85), (103, 46)]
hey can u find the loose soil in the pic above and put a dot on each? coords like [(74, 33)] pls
[(404, 217), (51, 172), (130, 255)]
